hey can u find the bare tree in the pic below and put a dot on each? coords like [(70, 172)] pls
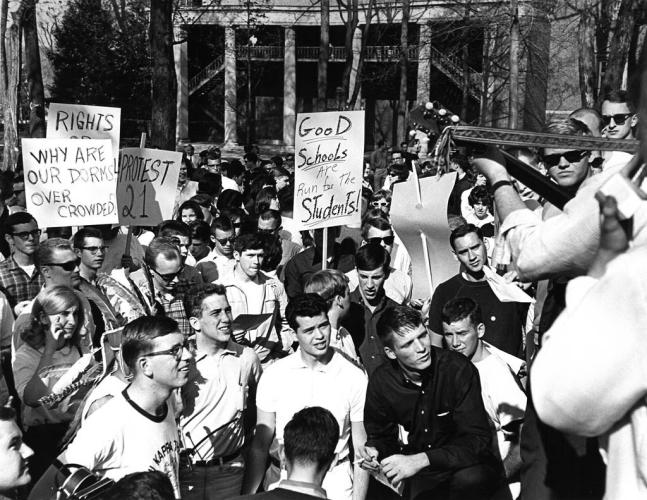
[(324, 49), (586, 54), (34, 73), (513, 96), (164, 83), (401, 121)]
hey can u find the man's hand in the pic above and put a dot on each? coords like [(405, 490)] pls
[(400, 467), (614, 236), (368, 456), (491, 165)]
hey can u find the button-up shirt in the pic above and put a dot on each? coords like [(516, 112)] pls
[(444, 415), (17, 284), (361, 322)]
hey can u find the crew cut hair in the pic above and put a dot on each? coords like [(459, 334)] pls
[(311, 437), (139, 333), (328, 284), (195, 298), (161, 246), (460, 308), (85, 232), (249, 241), (464, 230), (372, 256), (396, 320)]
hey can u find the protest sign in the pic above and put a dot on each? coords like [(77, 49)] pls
[(146, 185), (70, 182), (78, 121), (329, 162)]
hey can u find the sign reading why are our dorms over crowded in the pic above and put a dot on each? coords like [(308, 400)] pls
[(328, 161), (79, 121), (146, 185), (70, 182)]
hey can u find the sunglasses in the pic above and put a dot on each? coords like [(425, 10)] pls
[(388, 240), (224, 241), (23, 235), (167, 278), (95, 250), (268, 231), (570, 157), (68, 266), (175, 351), (619, 119), (177, 242), (377, 204)]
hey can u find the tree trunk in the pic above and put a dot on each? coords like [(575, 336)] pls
[(619, 44), (324, 49), (164, 83), (404, 66), (360, 66), (513, 96), (586, 56), (485, 111), (351, 24), (538, 55), (34, 74), (465, 97)]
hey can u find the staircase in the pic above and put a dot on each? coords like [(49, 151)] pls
[(206, 75), (452, 68)]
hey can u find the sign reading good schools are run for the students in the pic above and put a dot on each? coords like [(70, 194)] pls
[(70, 182), (146, 185), (328, 167)]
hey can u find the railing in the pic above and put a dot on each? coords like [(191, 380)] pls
[(452, 67), (260, 52), (206, 73)]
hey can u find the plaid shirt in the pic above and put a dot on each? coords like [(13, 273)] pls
[(16, 284)]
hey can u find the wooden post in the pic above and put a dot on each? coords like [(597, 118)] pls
[(324, 251)]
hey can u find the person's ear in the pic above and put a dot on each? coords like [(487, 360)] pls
[(236, 256), (195, 323), (144, 365), (9, 238), (389, 352), (77, 251), (634, 121), (480, 330)]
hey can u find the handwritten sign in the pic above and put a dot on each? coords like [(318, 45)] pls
[(328, 168), (146, 185), (70, 182)]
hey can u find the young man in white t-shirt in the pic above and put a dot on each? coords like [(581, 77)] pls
[(501, 374), (136, 431), (315, 375)]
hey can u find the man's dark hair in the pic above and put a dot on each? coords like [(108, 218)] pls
[(461, 161), (380, 223), (621, 96), (306, 305), (222, 223), (85, 232), (277, 160), (273, 252), (210, 184), (463, 230), (229, 198), (170, 228), (311, 437), (479, 194), (460, 308), (372, 256), (249, 241), (200, 230), (161, 246), (235, 169), (251, 157), (194, 299), (203, 200), (286, 200), (234, 213), (7, 414), (139, 333), (396, 320), (17, 219), (269, 214), (149, 485)]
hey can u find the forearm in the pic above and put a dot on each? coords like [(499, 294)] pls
[(507, 199), (255, 469), (35, 388), (360, 482)]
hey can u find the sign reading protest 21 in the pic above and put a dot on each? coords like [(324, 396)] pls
[(78, 121), (146, 185), (70, 182), (328, 168)]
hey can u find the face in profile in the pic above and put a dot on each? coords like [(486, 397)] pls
[(14, 455)]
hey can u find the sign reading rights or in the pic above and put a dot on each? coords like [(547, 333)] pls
[(146, 185), (70, 182), (329, 160)]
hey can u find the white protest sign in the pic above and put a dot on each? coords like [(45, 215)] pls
[(70, 182), (146, 185), (78, 121), (329, 162)]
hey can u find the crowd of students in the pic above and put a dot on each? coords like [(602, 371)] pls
[(217, 355)]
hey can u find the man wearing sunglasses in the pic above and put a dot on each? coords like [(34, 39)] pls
[(270, 222), (220, 261), (619, 119)]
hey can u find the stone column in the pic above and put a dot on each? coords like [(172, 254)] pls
[(357, 49), (289, 87), (424, 64), (231, 134), (182, 74)]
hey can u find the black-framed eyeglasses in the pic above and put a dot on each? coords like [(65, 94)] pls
[(388, 240), (23, 235), (378, 204), (619, 118), (167, 278), (268, 231), (569, 156), (224, 241), (95, 250), (179, 243), (175, 351), (68, 266)]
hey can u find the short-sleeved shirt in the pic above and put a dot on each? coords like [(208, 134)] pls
[(17, 284), (288, 386), (121, 438), (214, 398), (504, 321)]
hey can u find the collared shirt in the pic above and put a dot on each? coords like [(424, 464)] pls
[(361, 322), (215, 267), (443, 416), (174, 308), (398, 286), (19, 286), (220, 388), (288, 385), (301, 487)]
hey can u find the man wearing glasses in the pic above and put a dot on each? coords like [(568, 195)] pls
[(19, 277), (619, 121), (269, 222), (220, 261), (136, 430)]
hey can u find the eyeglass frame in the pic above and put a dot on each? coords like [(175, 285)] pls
[(23, 235), (581, 152), (606, 119), (164, 277), (178, 348), (95, 250), (76, 262)]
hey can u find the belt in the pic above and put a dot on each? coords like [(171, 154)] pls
[(277, 463), (218, 460)]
